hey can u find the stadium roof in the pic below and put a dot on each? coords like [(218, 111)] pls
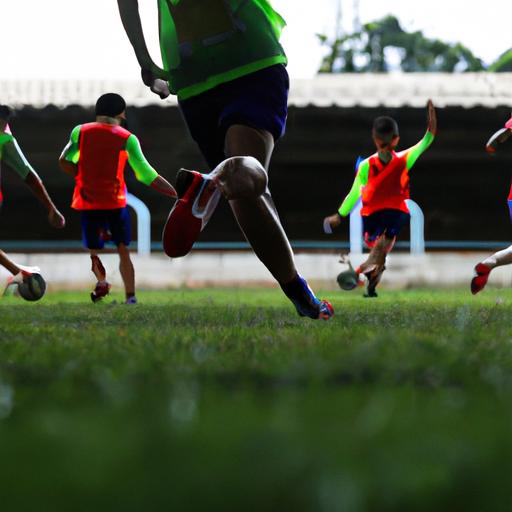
[(344, 90)]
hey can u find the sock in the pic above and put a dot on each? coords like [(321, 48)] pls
[(298, 289)]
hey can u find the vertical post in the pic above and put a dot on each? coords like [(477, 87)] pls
[(417, 227), (356, 229), (143, 225)]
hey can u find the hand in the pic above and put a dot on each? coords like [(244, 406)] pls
[(431, 117), (331, 222), (56, 219), (157, 85), (491, 150)]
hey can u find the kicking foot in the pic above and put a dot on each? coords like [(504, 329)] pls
[(101, 290), (131, 300), (305, 301), (373, 281), (480, 279), (198, 197)]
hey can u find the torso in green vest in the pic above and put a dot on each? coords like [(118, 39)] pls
[(208, 42)]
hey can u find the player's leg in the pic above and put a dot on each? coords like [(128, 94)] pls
[(120, 228), (93, 227), (381, 231), (483, 269), (242, 179), (127, 273), (8, 264)]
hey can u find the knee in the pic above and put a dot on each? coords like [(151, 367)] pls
[(242, 177)]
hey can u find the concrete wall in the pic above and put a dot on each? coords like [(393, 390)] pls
[(200, 269)]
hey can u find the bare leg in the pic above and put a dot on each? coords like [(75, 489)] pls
[(377, 257), (9, 264), (127, 270), (499, 258), (243, 180), (97, 267)]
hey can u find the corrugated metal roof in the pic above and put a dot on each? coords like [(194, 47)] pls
[(344, 90)]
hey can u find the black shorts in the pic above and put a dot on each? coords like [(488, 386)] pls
[(388, 221), (258, 100), (100, 226)]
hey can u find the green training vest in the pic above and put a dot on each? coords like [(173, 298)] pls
[(205, 43)]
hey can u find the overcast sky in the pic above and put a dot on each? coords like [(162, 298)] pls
[(84, 38)]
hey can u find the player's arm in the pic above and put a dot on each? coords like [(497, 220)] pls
[(152, 75), (352, 197), (499, 138), (70, 155), (143, 170), (15, 159), (416, 151)]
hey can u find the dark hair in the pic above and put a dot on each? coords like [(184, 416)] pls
[(385, 127), (110, 105), (5, 113)]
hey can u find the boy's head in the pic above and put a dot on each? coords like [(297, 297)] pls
[(385, 133), (111, 105), (5, 115)]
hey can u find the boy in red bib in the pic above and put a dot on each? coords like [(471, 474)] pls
[(504, 257), (96, 156), (382, 181)]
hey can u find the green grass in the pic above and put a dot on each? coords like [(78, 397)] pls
[(226, 400)]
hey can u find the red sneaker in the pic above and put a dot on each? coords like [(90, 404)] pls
[(478, 282), (198, 198)]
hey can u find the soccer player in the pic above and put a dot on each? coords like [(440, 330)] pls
[(11, 154), (96, 156), (382, 180), (224, 61), (504, 257)]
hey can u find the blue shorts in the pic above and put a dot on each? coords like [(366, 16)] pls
[(100, 226), (258, 100), (388, 221)]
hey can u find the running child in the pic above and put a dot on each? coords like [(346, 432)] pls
[(12, 156), (382, 180), (224, 61), (96, 156), (504, 257)]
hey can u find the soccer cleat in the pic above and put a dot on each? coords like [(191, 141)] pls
[(131, 300), (305, 301), (480, 279), (101, 289), (198, 198)]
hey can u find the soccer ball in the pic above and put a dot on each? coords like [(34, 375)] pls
[(347, 280), (32, 287)]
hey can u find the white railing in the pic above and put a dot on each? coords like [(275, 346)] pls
[(143, 225), (417, 229)]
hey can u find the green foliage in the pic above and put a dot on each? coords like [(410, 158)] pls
[(367, 50), (226, 400), (503, 64)]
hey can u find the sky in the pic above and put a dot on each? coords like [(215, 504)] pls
[(84, 39)]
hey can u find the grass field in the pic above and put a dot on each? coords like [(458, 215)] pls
[(226, 400)]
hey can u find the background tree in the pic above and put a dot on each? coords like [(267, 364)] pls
[(378, 44), (503, 64)]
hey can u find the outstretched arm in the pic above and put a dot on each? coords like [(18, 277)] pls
[(55, 218), (498, 138), (152, 75), (352, 197), (143, 170), (416, 151), (15, 159)]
